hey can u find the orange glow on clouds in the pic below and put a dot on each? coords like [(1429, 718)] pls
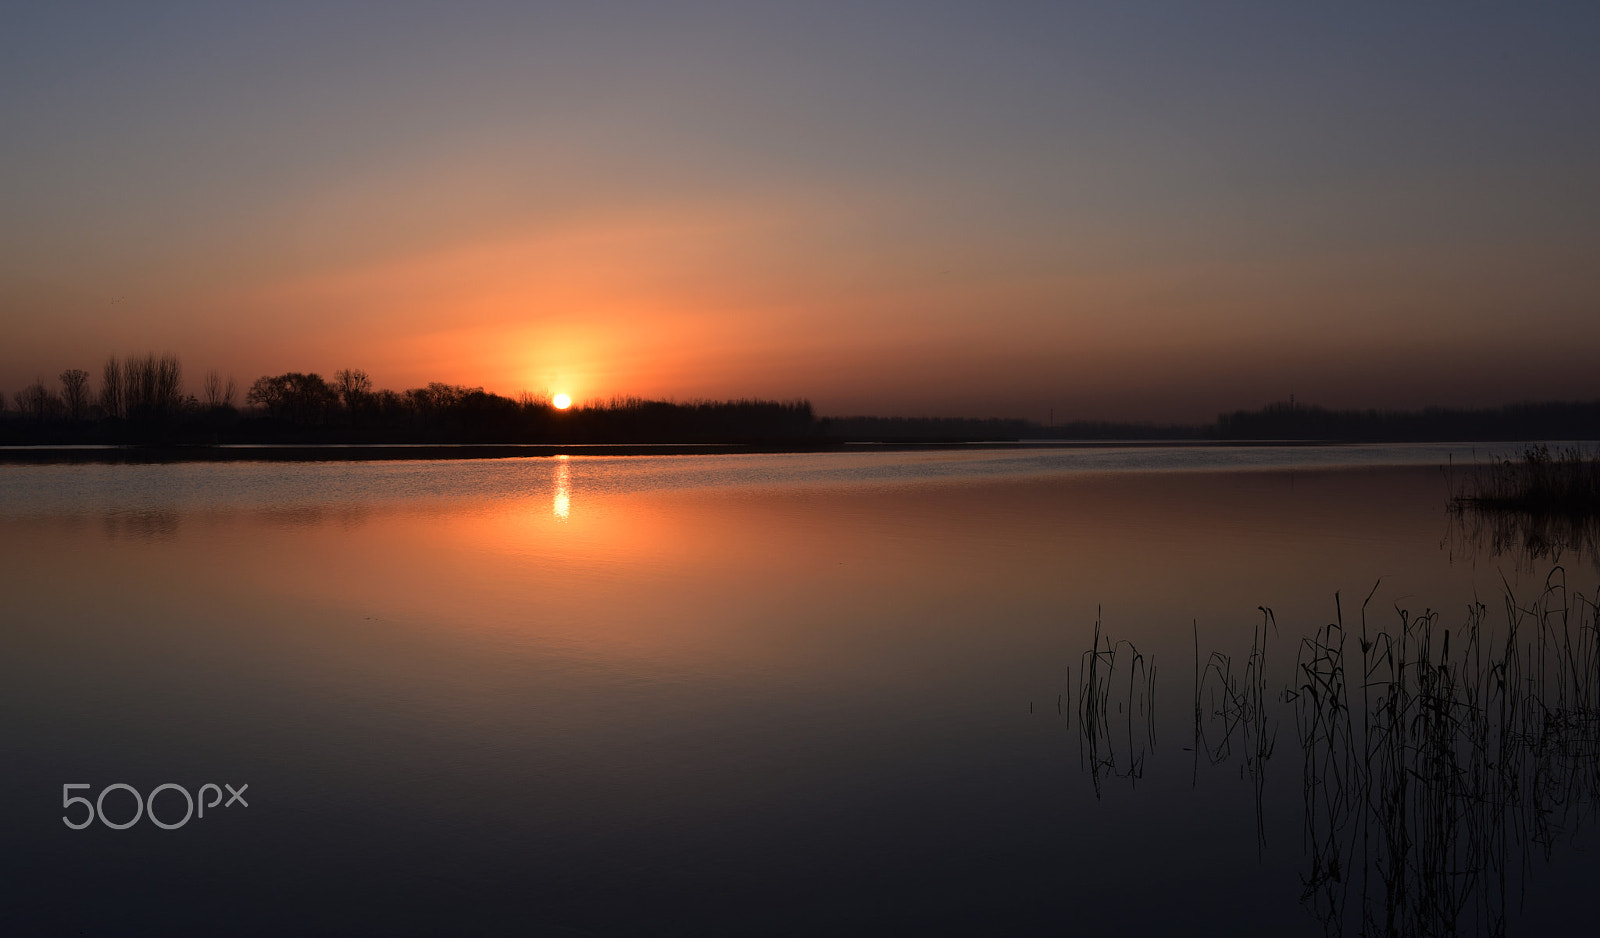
[(830, 299)]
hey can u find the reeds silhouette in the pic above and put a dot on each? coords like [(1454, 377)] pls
[(1541, 482), (1466, 753), (1116, 709), (1436, 762)]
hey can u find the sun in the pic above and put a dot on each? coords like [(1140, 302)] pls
[(561, 401)]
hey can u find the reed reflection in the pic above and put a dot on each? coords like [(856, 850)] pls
[(1116, 694), (1529, 540)]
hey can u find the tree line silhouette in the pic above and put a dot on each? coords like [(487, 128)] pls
[(1554, 420), (142, 399)]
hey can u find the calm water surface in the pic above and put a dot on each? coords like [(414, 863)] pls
[(688, 695)]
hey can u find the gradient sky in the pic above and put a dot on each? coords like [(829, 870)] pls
[(1122, 210)]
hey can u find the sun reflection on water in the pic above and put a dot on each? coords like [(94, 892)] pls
[(561, 505)]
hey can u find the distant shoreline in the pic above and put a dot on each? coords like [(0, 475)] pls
[(139, 454), (142, 415)]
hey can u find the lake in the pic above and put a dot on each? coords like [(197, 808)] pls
[(743, 694)]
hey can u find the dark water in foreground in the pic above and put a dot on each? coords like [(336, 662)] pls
[(693, 695)]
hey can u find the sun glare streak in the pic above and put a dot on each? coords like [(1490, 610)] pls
[(561, 505)]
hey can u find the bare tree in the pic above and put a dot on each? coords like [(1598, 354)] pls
[(138, 384), (219, 391), (111, 399), (353, 387), (211, 388), (436, 397), (152, 385), (169, 383), (75, 392), (38, 401)]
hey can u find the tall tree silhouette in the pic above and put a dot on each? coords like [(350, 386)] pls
[(75, 392), (354, 388), (219, 392), (111, 399), (152, 386)]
